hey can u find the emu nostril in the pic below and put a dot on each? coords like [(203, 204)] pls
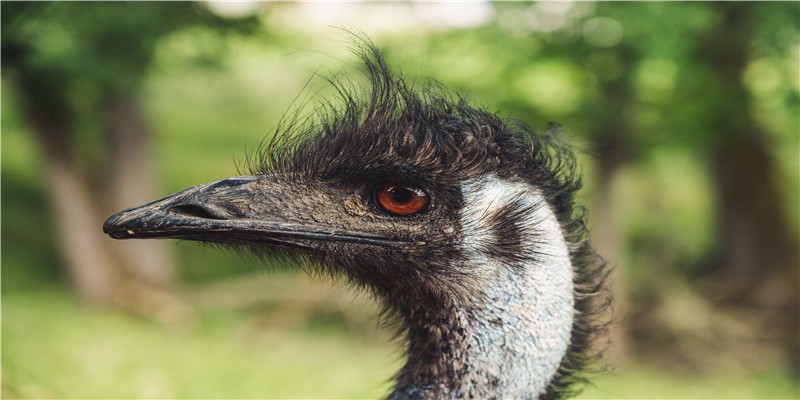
[(197, 211)]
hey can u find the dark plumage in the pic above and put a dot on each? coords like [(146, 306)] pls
[(492, 278)]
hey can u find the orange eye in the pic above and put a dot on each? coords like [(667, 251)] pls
[(401, 199)]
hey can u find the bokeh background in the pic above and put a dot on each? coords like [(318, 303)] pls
[(685, 114)]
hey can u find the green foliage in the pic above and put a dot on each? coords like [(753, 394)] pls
[(104, 45)]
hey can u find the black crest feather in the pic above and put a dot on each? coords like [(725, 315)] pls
[(440, 138)]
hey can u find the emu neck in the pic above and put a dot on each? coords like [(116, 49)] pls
[(509, 337)]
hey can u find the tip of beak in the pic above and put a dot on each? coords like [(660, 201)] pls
[(192, 209), (113, 228)]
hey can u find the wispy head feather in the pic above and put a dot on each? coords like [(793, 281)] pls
[(433, 135)]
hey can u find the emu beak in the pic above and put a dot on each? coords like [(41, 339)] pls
[(248, 210)]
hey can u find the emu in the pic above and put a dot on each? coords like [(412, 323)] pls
[(462, 223)]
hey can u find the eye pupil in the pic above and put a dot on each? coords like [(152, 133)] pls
[(402, 195), (401, 198)]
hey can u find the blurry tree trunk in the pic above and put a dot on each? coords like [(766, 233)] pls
[(612, 144), (102, 271), (131, 184), (608, 242), (758, 263), (54, 50), (76, 223), (759, 258)]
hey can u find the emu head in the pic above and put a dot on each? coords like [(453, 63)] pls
[(462, 223)]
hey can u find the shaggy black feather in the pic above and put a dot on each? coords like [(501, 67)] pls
[(434, 138), (313, 190)]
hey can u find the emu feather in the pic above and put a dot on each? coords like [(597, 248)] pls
[(487, 265)]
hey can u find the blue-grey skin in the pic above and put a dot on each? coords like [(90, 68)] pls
[(515, 341)]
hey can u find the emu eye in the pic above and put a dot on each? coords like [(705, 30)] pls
[(401, 198)]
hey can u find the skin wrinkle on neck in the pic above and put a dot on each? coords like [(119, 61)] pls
[(518, 330)]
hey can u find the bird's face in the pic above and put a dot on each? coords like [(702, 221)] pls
[(374, 192), (373, 226)]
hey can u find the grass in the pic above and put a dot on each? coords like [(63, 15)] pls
[(53, 347), (643, 381), (291, 339)]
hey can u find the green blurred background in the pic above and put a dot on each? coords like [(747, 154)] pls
[(686, 116)]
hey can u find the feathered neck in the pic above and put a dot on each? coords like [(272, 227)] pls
[(509, 338)]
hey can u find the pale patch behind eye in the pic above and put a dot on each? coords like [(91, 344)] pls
[(530, 292)]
